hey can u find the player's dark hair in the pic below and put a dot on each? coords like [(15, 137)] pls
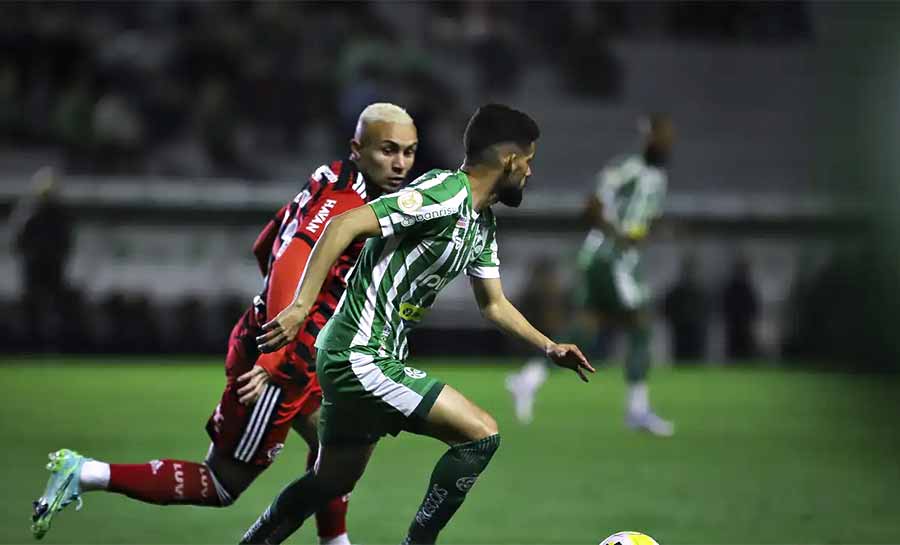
[(495, 123)]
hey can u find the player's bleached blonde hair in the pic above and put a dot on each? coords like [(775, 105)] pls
[(385, 112)]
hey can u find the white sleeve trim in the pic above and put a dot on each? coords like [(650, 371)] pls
[(387, 228), (483, 272)]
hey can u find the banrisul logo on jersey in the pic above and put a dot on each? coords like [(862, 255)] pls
[(425, 216)]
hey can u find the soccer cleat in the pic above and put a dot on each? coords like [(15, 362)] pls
[(651, 423), (63, 488)]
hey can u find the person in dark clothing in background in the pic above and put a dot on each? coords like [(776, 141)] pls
[(43, 239), (740, 307), (687, 311)]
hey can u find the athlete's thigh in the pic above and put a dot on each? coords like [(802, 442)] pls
[(306, 426), (455, 419), (308, 403)]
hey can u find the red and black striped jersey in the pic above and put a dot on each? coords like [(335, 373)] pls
[(332, 189)]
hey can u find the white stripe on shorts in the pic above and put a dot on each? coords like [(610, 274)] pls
[(266, 417), (398, 396), (259, 420)]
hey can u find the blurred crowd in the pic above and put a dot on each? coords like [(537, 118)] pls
[(190, 88), (235, 88)]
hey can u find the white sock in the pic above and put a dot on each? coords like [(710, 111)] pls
[(342, 539), (638, 398), (534, 373), (94, 476)]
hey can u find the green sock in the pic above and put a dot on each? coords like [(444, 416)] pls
[(637, 364), (294, 504), (453, 476)]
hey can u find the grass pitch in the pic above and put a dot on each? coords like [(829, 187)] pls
[(760, 456)]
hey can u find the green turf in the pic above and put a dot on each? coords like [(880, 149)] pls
[(760, 456)]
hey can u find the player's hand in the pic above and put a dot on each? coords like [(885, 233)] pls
[(256, 380), (282, 330), (570, 357)]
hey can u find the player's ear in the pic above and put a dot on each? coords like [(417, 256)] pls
[(510, 162), (355, 147)]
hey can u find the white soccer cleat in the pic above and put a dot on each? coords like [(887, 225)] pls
[(651, 423), (523, 397)]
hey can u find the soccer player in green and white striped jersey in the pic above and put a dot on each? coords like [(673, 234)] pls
[(421, 238), (629, 196)]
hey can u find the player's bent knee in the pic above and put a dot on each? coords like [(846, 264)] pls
[(333, 485), (490, 425), (341, 489), (336, 481), (485, 426)]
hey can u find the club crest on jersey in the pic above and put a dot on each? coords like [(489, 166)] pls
[(409, 201), (412, 372), (480, 240)]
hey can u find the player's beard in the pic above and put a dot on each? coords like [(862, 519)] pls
[(511, 194)]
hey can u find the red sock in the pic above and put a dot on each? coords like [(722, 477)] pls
[(165, 482), (331, 520)]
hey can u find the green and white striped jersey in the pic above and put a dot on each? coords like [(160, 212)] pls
[(429, 234), (632, 193)]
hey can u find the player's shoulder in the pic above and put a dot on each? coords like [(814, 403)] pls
[(628, 163), (622, 169), (340, 179), (437, 178), (439, 185)]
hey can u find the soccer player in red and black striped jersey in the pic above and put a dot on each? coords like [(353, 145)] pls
[(248, 428)]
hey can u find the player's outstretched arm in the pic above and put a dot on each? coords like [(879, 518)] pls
[(496, 307), (338, 235)]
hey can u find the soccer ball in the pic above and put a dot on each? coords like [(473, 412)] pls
[(629, 538)]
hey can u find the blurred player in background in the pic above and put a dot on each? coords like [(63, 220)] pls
[(43, 238), (419, 240), (609, 290), (248, 433)]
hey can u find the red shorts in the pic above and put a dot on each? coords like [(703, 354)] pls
[(256, 434)]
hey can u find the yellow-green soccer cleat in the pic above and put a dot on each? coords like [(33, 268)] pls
[(62, 489)]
